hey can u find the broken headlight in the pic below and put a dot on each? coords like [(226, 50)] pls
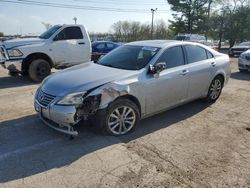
[(72, 99)]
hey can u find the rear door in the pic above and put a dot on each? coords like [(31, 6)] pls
[(170, 88), (200, 65), (69, 47)]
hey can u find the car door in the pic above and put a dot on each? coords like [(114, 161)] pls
[(69, 47), (170, 87), (200, 70)]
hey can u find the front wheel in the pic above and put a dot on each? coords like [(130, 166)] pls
[(215, 89), (120, 118), (39, 69)]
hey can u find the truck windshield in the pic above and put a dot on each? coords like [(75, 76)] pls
[(129, 57), (47, 34)]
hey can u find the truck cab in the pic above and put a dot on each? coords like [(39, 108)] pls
[(59, 47)]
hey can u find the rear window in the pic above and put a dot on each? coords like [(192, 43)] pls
[(70, 33)]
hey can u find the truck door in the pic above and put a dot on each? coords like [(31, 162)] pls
[(70, 47)]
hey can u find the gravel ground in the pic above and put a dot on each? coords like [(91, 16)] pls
[(195, 145)]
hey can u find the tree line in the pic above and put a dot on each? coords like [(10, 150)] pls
[(216, 19), (127, 31)]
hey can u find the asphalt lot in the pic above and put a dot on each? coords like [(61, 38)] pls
[(195, 145)]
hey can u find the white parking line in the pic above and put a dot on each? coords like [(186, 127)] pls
[(29, 148)]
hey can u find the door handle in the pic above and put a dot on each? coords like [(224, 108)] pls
[(81, 43), (213, 64), (184, 72)]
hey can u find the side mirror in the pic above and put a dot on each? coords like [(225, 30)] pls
[(156, 69)]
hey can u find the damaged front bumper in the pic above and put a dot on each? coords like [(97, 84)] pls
[(59, 118)]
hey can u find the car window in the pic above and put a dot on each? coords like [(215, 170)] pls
[(110, 45), (209, 55), (173, 57), (47, 34), (70, 33), (100, 46), (195, 53), (129, 57)]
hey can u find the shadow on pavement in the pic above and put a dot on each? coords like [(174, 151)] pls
[(15, 81), (27, 147), (241, 76)]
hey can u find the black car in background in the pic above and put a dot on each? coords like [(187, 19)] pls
[(100, 48), (237, 50)]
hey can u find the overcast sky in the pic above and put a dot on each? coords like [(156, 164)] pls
[(27, 19)]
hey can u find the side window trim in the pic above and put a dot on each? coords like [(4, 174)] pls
[(207, 52)]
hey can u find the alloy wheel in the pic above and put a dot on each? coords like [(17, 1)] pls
[(121, 120), (215, 89)]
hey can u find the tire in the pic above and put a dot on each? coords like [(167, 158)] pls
[(231, 55), (243, 70), (39, 69), (24, 73), (14, 74), (215, 89), (106, 121)]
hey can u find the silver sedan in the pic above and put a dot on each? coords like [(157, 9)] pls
[(244, 61), (132, 82)]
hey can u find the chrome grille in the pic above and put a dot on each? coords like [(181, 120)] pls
[(44, 98)]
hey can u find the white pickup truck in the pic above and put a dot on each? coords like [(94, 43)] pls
[(59, 47)]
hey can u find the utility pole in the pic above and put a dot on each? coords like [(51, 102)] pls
[(152, 25), (75, 19)]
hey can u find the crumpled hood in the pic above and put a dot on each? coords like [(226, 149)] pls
[(15, 43), (82, 78)]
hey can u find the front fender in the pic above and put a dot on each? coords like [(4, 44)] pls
[(109, 92)]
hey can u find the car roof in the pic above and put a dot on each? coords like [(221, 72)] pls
[(158, 43)]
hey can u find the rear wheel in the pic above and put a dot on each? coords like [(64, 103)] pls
[(215, 89), (120, 118), (39, 69)]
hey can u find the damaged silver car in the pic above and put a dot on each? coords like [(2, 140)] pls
[(132, 82)]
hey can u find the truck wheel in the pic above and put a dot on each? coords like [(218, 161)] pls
[(39, 69), (11, 73), (243, 70)]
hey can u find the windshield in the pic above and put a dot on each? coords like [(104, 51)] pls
[(181, 37), (244, 44), (47, 34), (129, 57)]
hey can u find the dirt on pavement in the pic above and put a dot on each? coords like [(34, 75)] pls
[(195, 145)]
